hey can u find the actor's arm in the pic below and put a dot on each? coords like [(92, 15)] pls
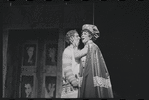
[(80, 53), (67, 71)]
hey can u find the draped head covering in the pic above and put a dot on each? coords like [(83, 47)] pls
[(92, 28)]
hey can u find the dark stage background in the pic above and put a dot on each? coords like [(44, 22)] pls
[(124, 43)]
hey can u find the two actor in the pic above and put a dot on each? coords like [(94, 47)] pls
[(85, 74)]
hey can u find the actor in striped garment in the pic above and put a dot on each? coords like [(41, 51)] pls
[(70, 66)]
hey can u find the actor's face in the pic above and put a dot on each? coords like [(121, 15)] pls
[(76, 39), (85, 37)]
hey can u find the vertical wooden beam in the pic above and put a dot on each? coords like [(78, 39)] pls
[(10, 69), (17, 69), (60, 51), (40, 64), (59, 66), (5, 45)]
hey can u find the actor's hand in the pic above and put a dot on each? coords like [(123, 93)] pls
[(74, 43), (75, 84), (71, 39)]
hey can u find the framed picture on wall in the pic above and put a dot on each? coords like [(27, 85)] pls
[(29, 54), (50, 87), (27, 86), (51, 54)]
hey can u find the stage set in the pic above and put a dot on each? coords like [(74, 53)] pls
[(34, 40)]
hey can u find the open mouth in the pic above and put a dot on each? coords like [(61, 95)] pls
[(83, 39)]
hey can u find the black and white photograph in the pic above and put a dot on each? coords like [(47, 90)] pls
[(27, 85), (51, 54), (75, 49), (50, 84), (29, 55)]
